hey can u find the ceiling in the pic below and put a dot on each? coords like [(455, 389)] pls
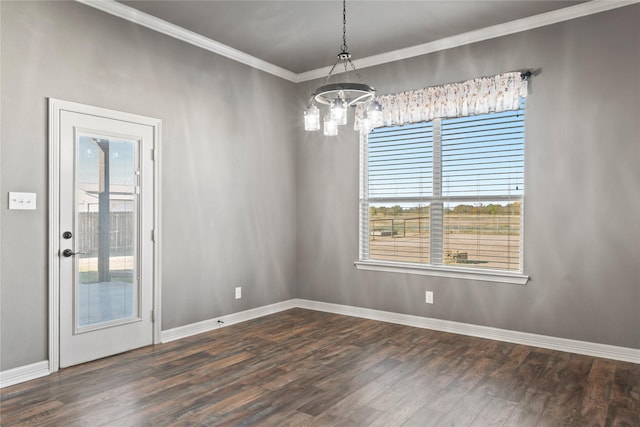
[(300, 36)]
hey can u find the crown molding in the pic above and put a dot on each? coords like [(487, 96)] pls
[(141, 18), (487, 33), (548, 18)]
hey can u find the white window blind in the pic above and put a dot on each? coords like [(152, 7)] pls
[(483, 155), (445, 193), (400, 161)]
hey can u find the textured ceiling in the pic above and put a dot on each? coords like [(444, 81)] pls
[(305, 35)]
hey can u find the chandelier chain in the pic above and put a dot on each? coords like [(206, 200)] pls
[(344, 26), (344, 49)]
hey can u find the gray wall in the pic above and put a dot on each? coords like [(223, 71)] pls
[(276, 209), (228, 195), (582, 203)]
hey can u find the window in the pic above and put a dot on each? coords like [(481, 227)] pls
[(446, 194)]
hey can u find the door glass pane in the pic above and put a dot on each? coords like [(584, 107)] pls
[(106, 290)]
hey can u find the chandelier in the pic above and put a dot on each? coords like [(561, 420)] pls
[(341, 95)]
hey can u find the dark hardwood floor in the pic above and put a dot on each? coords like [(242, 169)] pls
[(308, 368)]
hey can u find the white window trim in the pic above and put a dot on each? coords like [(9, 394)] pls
[(496, 276), (448, 272)]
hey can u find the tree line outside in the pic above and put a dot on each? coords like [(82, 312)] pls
[(491, 218), (480, 209)]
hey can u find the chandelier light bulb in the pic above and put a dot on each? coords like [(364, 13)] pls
[(330, 127), (374, 114), (312, 118), (339, 111)]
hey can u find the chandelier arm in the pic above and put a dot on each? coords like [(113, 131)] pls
[(352, 93), (355, 70), (326, 80), (365, 97)]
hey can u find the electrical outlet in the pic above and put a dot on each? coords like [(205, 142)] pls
[(238, 292), (428, 297)]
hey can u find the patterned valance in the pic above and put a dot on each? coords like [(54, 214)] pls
[(477, 96)]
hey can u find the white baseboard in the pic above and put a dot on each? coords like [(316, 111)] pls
[(40, 369), (24, 373), (553, 343), (230, 319)]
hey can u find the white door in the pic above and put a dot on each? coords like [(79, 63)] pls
[(106, 226)]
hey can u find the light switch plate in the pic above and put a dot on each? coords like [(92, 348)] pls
[(23, 201)]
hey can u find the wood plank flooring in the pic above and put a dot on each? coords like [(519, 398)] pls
[(308, 368)]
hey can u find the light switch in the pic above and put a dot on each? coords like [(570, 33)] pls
[(22, 200)]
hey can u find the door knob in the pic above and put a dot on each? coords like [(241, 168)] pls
[(68, 252)]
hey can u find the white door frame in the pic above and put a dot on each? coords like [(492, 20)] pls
[(56, 106)]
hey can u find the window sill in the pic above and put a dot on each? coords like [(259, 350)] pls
[(449, 272)]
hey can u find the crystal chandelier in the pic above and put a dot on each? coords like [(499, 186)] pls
[(340, 96)]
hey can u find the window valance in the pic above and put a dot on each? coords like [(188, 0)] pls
[(478, 96)]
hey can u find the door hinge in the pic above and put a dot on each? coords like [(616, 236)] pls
[(153, 154), (153, 235), (153, 316)]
